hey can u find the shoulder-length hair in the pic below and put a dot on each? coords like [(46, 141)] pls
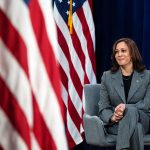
[(134, 52)]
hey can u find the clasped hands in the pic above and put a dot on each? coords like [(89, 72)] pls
[(118, 113)]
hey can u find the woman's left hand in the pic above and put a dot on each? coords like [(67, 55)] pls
[(119, 110)]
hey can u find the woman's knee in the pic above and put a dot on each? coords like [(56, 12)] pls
[(132, 112)]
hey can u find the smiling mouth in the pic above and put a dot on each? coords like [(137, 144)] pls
[(120, 59)]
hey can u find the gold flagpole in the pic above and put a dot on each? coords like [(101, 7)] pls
[(70, 18)]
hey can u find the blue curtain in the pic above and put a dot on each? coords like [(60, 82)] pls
[(120, 18)]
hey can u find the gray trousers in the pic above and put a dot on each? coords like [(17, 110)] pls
[(130, 129)]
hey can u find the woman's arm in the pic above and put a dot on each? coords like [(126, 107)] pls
[(105, 109)]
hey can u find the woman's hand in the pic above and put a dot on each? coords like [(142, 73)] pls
[(120, 109), (118, 113)]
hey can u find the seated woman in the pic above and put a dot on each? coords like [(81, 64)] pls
[(125, 96)]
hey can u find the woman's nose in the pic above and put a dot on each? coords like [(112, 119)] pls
[(119, 53)]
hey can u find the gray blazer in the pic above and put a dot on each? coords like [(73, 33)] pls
[(112, 93), (129, 130)]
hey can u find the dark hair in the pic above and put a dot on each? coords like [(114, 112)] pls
[(134, 52)]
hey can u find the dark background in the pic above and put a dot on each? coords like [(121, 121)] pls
[(116, 19)]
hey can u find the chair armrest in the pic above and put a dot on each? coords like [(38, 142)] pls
[(95, 133)]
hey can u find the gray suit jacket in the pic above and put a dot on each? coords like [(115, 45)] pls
[(112, 93)]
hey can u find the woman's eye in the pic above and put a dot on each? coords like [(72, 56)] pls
[(116, 51), (123, 50)]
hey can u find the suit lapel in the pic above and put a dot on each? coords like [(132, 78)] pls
[(135, 84), (118, 85)]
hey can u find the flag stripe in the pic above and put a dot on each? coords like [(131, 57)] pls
[(29, 71), (90, 22), (77, 61), (8, 101), (40, 130), (76, 84), (90, 56), (70, 76), (73, 73), (48, 59), (70, 139), (69, 104), (44, 44), (64, 30), (7, 63), (40, 122), (11, 139), (10, 36), (73, 132), (77, 45), (84, 44)]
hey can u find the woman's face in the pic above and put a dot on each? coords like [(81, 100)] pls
[(122, 54)]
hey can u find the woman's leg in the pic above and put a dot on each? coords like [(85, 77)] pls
[(126, 128)]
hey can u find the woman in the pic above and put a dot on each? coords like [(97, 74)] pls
[(125, 96)]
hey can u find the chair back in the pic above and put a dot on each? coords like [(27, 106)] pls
[(92, 95)]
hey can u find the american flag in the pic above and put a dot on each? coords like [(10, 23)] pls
[(76, 57), (31, 114)]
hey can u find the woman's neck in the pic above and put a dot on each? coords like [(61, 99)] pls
[(126, 71)]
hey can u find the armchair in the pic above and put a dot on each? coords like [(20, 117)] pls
[(95, 133)]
